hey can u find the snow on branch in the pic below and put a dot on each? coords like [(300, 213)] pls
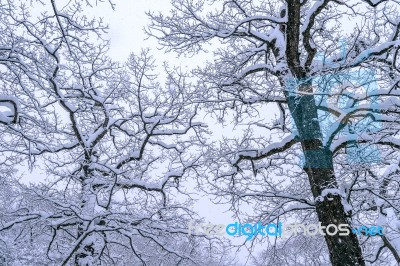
[(13, 109)]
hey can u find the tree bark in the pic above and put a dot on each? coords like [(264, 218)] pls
[(318, 160), (343, 250), (86, 248)]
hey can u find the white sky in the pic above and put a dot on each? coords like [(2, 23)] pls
[(127, 23)]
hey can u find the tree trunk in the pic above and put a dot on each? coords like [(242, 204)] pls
[(86, 251), (343, 250)]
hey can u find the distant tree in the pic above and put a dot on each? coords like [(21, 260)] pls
[(329, 69)]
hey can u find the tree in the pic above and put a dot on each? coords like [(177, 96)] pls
[(312, 60), (110, 139)]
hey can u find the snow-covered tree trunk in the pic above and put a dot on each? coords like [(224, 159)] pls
[(86, 251), (318, 159), (318, 164)]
